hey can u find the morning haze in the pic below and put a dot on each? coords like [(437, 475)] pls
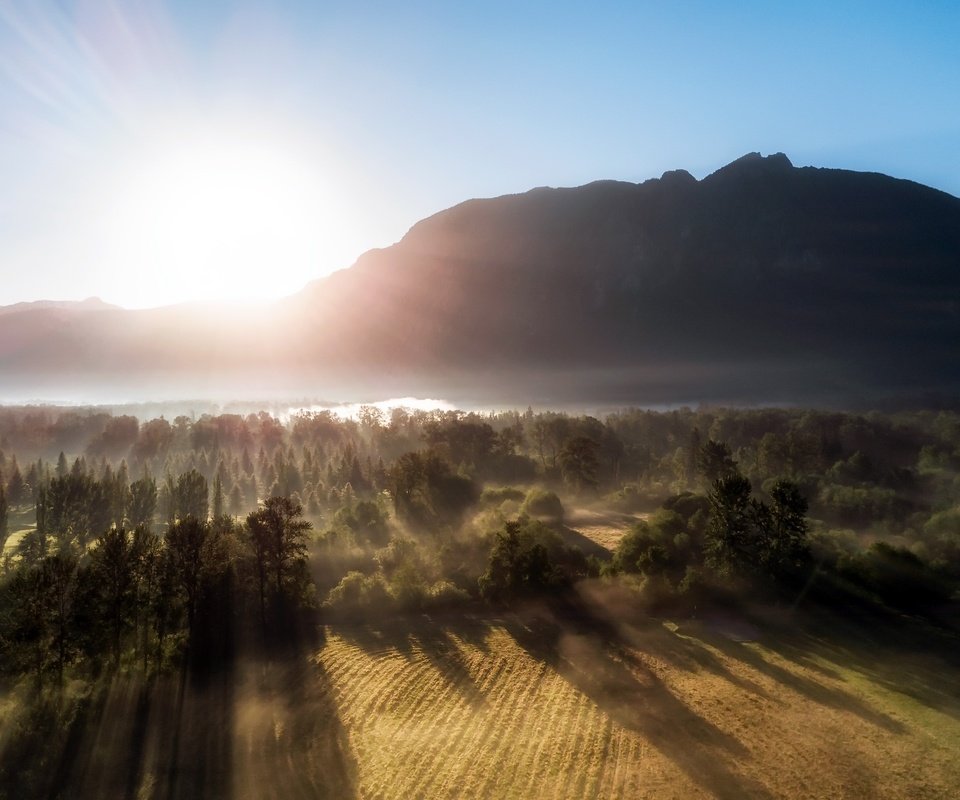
[(319, 479)]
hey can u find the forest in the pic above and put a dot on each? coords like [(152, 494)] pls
[(164, 548)]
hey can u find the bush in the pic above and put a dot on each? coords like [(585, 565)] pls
[(493, 497), (527, 558), (631, 499), (662, 545), (357, 593), (401, 552), (444, 594), (408, 588), (544, 505)]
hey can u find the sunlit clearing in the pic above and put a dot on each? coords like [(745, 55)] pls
[(352, 410), (223, 220)]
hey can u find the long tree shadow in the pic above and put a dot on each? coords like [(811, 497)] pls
[(377, 639), (730, 632), (915, 655), (812, 690), (917, 663), (421, 636), (444, 654), (621, 613), (193, 754), (199, 762), (138, 738), (290, 740), (685, 654), (590, 655), (43, 741), (247, 723), (573, 538)]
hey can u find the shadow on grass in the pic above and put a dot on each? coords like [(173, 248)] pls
[(813, 690), (910, 656), (264, 725), (687, 655), (427, 637), (729, 632), (589, 654), (904, 656), (290, 740), (573, 538)]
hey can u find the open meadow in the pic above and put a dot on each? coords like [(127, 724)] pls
[(528, 706), (475, 401), (532, 704), (467, 619)]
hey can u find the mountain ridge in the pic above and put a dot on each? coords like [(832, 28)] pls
[(88, 304), (761, 282)]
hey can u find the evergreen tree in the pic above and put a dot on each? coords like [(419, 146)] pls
[(143, 501), (4, 517), (783, 529), (714, 461), (190, 543), (236, 500), (218, 508), (729, 539), (60, 576), (16, 488), (278, 535), (112, 567), (191, 496)]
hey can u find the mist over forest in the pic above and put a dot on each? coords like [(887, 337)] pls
[(185, 598), (689, 484), (427, 400)]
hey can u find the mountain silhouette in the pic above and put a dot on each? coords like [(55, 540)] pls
[(761, 283)]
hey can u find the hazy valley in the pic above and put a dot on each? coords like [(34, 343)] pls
[(694, 559), (760, 284), (711, 603)]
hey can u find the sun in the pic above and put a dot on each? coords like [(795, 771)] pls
[(223, 218)]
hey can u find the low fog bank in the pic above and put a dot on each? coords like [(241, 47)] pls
[(816, 383)]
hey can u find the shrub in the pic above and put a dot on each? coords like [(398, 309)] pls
[(544, 505), (527, 558), (357, 592), (493, 497), (444, 594)]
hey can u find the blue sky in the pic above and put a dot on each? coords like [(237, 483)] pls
[(370, 116)]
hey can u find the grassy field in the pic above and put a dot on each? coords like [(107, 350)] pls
[(604, 528), (526, 706), (20, 522), (594, 700)]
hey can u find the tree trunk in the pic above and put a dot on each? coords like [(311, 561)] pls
[(263, 597)]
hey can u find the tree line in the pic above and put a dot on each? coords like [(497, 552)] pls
[(138, 597), (155, 542)]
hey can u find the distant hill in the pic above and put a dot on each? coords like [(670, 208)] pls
[(90, 304), (760, 283)]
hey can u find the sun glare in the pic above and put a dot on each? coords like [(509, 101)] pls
[(226, 220)]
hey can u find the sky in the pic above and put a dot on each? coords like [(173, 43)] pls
[(154, 153)]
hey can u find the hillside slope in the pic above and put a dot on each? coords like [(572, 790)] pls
[(760, 283)]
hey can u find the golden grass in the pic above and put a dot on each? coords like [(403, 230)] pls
[(522, 708), (13, 540), (528, 705), (604, 528), (19, 523)]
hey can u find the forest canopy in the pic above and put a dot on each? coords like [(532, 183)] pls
[(129, 541)]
